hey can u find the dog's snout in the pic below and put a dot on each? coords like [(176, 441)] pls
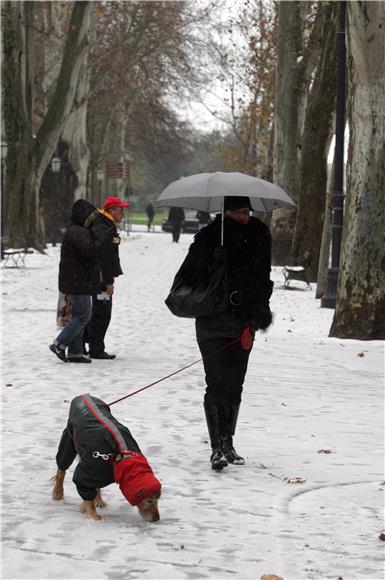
[(148, 509), (156, 517)]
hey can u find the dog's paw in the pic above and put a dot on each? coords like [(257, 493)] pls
[(57, 494), (100, 503), (88, 508)]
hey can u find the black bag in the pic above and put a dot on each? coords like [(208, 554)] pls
[(187, 301)]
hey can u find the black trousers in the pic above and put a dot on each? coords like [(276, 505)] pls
[(225, 370), (97, 327), (176, 231)]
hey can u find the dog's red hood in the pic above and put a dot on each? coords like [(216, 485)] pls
[(135, 478)]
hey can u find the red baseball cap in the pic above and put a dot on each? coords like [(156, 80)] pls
[(114, 202)]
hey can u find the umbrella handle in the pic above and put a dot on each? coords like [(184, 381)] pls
[(222, 219)]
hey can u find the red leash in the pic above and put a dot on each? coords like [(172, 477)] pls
[(175, 372)]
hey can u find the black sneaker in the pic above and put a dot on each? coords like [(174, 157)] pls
[(60, 352), (78, 359), (104, 355)]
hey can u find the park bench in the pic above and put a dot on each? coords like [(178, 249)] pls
[(299, 271), (15, 258)]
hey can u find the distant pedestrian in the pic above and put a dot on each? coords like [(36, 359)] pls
[(203, 218), (176, 217), (105, 220), (150, 215), (79, 274)]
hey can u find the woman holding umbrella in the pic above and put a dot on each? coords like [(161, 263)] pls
[(225, 338)]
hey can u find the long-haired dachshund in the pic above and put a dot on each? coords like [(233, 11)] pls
[(107, 453)]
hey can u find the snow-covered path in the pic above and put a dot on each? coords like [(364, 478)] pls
[(304, 393)]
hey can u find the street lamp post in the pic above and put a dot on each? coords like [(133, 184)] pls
[(4, 153), (329, 298), (100, 177), (55, 167), (56, 164)]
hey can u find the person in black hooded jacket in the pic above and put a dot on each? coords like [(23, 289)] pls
[(79, 275), (247, 254)]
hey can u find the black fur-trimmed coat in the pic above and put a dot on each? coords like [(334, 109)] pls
[(247, 252), (79, 269)]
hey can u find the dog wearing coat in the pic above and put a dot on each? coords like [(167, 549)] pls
[(107, 453)]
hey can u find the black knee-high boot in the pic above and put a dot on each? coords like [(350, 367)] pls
[(217, 459), (230, 422)]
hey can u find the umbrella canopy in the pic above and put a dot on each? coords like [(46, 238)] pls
[(205, 191)]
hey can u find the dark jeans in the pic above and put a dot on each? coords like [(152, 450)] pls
[(72, 333), (97, 327), (225, 370)]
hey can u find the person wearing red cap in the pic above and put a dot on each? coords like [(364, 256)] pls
[(109, 216), (108, 453)]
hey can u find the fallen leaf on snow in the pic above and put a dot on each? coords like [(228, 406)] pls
[(325, 451), (294, 479), (382, 536), (288, 479), (8, 384), (271, 577), (361, 354)]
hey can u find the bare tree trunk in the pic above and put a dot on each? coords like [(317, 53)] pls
[(315, 147), (75, 131), (286, 117), (17, 85), (360, 303), (29, 156), (323, 262), (295, 63)]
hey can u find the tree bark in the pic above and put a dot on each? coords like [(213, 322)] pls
[(29, 156), (360, 302), (285, 159), (315, 146), (295, 62), (17, 92), (75, 131), (323, 262)]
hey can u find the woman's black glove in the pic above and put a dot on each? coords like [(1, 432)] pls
[(262, 318)]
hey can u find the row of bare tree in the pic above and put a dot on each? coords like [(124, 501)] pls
[(99, 80), (281, 95)]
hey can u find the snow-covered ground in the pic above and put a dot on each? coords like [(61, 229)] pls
[(307, 504)]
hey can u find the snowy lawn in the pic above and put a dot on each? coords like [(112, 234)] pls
[(307, 504)]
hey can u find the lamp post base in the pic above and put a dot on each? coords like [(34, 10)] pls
[(328, 300)]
